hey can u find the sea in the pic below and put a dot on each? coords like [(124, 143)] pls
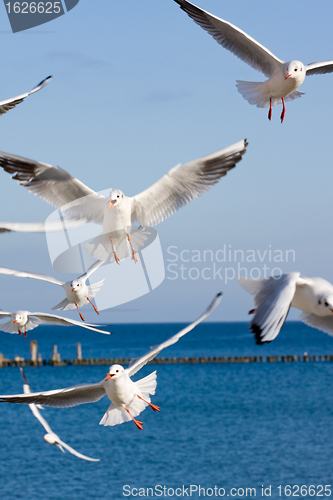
[(234, 430)]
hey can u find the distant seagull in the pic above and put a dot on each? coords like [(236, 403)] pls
[(177, 188), (77, 291), (283, 77), (51, 437), (128, 398), (275, 295), (23, 321), (5, 106)]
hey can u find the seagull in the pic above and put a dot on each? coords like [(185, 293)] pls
[(284, 77), (23, 321), (50, 437), (78, 293), (275, 295), (178, 187), (5, 106), (128, 398)]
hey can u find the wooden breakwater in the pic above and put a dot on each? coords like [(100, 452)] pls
[(36, 359)]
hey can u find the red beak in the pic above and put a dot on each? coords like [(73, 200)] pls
[(15, 320), (288, 75), (332, 310), (111, 204), (108, 376)]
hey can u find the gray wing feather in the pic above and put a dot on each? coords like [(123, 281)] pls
[(55, 186), (76, 453), (319, 68), (58, 320), (272, 306), (8, 104), (61, 398), (23, 274), (183, 184), (233, 39)]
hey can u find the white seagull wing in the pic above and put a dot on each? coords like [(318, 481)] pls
[(53, 319), (322, 323), (76, 453), (319, 68), (3, 313), (36, 276), (92, 269), (272, 305), (61, 398), (233, 39), (8, 104), (137, 363), (32, 406), (39, 227), (183, 184), (55, 186)]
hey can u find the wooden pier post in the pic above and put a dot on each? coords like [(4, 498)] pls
[(55, 353), (79, 351), (33, 350)]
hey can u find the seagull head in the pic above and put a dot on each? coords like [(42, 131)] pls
[(115, 371), (295, 70), (76, 285), (116, 197), (20, 318), (325, 305)]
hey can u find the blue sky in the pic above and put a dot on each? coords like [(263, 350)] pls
[(138, 87)]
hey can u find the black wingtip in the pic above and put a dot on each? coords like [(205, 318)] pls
[(219, 294), (256, 330)]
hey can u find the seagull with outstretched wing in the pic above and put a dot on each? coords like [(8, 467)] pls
[(78, 293), (23, 321), (177, 188), (284, 78), (51, 437), (128, 398)]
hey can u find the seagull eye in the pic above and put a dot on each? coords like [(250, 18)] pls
[(319, 301), (295, 69), (117, 371), (326, 303), (117, 195)]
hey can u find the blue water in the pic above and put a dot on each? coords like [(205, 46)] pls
[(224, 425)]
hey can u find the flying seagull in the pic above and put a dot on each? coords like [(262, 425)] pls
[(5, 106), (284, 77), (128, 398), (23, 321), (78, 293), (177, 188), (275, 295), (51, 437)]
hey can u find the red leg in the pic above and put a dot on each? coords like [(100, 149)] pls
[(20, 333), (270, 109), (252, 311), (114, 252), (283, 110), (79, 312), (134, 257), (25, 334), (153, 407), (137, 423), (93, 305)]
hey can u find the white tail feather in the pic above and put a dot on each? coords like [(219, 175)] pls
[(256, 93)]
